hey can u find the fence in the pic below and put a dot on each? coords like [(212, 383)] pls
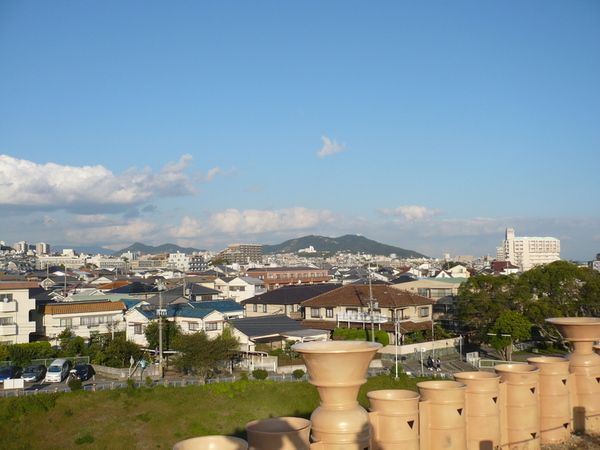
[(166, 383)]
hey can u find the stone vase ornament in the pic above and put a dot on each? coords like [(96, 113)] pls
[(584, 364), (520, 413), (443, 415), (337, 369), (554, 398), (483, 401), (395, 419), (279, 433), (212, 443)]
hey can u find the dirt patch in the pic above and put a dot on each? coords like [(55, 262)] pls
[(577, 442)]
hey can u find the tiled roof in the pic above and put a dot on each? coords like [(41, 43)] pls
[(80, 307), (254, 327), (290, 295), (358, 295)]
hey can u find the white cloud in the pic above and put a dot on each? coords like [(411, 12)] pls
[(253, 222), (27, 185), (132, 231), (213, 173), (411, 213), (329, 148)]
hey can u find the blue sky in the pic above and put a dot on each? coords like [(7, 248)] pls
[(432, 126)]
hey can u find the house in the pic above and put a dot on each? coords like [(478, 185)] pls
[(17, 305), (186, 292), (82, 318), (442, 291), (273, 331), (275, 277), (208, 316), (285, 300), (363, 306), (239, 288)]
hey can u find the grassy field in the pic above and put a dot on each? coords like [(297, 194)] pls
[(159, 417)]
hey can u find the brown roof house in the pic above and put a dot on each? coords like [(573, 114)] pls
[(353, 306), (82, 318)]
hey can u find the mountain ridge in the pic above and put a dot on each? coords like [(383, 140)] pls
[(350, 242)]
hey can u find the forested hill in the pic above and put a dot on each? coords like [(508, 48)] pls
[(350, 243)]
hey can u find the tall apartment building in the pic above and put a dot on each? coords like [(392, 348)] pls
[(21, 247), (242, 254), (527, 252), (41, 248)]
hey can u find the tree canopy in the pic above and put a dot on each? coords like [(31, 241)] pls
[(508, 328), (559, 289), (198, 353)]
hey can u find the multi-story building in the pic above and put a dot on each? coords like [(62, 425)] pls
[(527, 252), (240, 288), (82, 318), (396, 311), (21, 247), (179, 261), (595, 264), (41, 248), (69, 262), (275, 277), (242, 254), (16, 308)]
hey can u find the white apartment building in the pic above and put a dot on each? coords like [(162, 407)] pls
[(16, 310), (179, 261), (41, 248), (527, 252)]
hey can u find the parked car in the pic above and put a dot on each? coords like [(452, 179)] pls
[(58, 370), (82, 372), (34, 372), (10, 372)]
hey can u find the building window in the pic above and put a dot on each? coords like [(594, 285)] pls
[(291, 308), (211, 326), (66, 323), (314, 312), (6, 297), (423, 312), (193, 326), (6, 320), (138, 329), (265, 308), (329, 312), (255, 308)]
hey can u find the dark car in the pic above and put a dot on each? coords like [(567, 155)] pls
[(10, 372), (82, 372), (34, 372)]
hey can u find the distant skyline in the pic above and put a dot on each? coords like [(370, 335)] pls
[(428, 126)]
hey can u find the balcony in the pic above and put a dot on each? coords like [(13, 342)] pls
[(8, 307), (9, 329), (364, 317)]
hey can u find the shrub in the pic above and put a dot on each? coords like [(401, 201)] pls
[(148, 381), (130, 383), (244, 376), (75, 384), (298, 373), (260, 374), (382, 337)]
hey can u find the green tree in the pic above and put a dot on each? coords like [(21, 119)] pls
[(170, 331), (198, 353), (75, 347), (508, 328), (119, 352), (64, 337)]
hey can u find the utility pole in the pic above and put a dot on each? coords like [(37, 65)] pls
[(161, 313)]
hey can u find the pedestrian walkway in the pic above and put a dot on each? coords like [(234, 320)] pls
[(449, 365)]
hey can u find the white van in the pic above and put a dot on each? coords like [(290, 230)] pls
[(58, 371)]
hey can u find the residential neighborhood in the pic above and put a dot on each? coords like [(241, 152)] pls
[(268, 302)]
